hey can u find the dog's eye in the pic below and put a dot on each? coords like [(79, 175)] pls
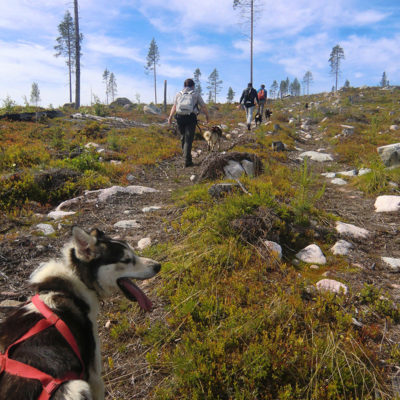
[(127, 260)]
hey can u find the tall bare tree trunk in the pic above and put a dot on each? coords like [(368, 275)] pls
[(155, 85), (70, 77), (165, 96), (78, 56), (251, 39)]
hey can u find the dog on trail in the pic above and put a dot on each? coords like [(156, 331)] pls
[(258, 119), (213, 138), (49, 346), (268, 114)]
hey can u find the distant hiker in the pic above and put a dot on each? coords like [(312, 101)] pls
[(262, 98), (186, 106), (248, 97)]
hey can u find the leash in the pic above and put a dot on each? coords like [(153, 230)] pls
[(14, 367)]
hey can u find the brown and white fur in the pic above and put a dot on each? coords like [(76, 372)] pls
[(93, 267), (213, 138)]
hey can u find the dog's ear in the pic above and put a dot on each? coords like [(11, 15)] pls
[(84, 244), (97, 233)]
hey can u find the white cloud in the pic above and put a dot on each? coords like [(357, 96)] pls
[(112, 47), (200, 53), (259, 46), (368, 17)]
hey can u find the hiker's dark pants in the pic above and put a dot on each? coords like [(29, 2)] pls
[(187, 127)]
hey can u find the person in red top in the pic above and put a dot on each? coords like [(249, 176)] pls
[(262, 99)]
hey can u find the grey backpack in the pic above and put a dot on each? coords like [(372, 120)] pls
[(185, 103)]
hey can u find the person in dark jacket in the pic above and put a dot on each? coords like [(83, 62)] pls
[(248, 99), (187, 105)]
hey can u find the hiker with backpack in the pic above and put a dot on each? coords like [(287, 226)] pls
[(248, 97), (262, 99), (187, 105)]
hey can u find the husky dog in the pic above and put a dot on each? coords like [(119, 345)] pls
[(60, 357), (268, 114), (278, 146), (213, 138), (258, 119)]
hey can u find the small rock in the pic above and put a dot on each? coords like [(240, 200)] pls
[(143, 243), (331, 286), (364, 171), (59, 214), (351, 230), (92, 145), (329, 175), (107, 324), (394, 127), (353, 172), (127, 224), (338, 181), (394, 263), (314, 266), (274, 248), (248, 166), (234, 170), (311, 254), (192, 178), (347, 130), (151, 208), (46, 229), (315, 156), (390, 154), (341, 247), (387, 203)]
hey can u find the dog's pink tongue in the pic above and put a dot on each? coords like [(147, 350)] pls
[(137, 293)]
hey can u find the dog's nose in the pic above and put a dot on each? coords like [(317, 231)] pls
[(156, 268)]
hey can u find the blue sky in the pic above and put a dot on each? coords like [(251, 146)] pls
[(291, 37)]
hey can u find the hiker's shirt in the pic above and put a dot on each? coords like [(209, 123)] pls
[(198, 100)]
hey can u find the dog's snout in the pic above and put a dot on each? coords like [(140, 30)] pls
[(157, 268)]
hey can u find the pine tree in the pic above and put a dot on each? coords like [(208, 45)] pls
[(214, 84), (35, 94), (197, 84), (231, 95), (284, 87), (106, 75), (112, 84), (295, 88), (153, 58), (78, 39), (65, 45), (347, 84), (274, 89), (307, 80), (337, 55), (384, 82)]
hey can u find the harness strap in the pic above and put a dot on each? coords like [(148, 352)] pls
[(60, 325), (14, 367)]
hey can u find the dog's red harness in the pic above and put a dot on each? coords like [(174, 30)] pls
[(17, 368)]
